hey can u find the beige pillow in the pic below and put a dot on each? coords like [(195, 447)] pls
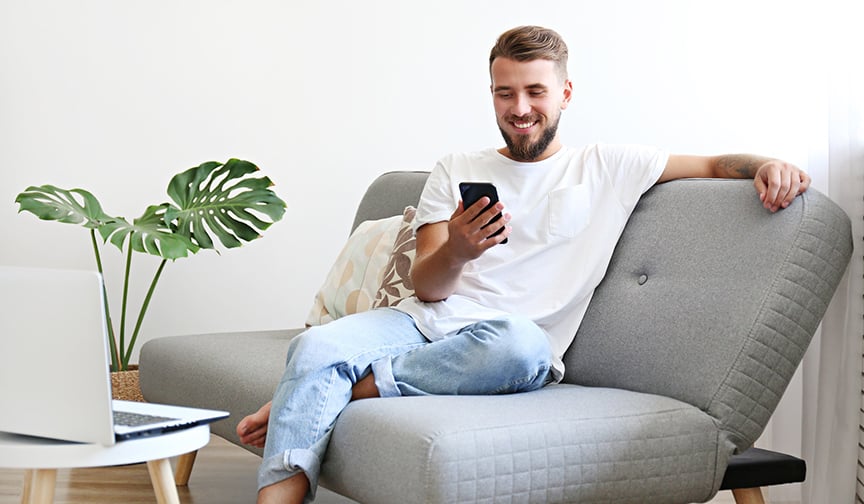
[(396, 284), (356, 276)]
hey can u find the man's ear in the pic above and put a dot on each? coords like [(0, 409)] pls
[(568, 93)]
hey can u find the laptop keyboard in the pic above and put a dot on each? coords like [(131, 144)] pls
[(129, 419)]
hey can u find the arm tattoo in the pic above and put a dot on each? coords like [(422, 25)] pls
[(741, 165)]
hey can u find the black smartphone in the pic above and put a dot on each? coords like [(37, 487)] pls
[(473, 191)]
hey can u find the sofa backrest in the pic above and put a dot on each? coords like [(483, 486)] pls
[(389, 194), (709, 298)]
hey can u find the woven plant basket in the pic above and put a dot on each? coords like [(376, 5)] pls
[(124, 385)]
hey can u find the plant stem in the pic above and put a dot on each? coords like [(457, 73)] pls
[(123, 307), (143, 311), (115, 355)]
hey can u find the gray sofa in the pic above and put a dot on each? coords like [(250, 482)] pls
[(704, 314)]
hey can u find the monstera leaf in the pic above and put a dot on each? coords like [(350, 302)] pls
[(149, 234), (52, 203), (220, 199)]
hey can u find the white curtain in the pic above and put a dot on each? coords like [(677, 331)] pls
[(819, 417), (832, 376)]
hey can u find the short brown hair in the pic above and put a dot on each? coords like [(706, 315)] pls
[(528, 43)]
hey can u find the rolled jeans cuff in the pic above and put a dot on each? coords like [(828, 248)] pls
[(290, 463), (384, 380)]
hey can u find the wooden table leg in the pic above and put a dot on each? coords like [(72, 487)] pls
[(163, 481), (39, 486), (748, 496), (28, 486), (184, 468)]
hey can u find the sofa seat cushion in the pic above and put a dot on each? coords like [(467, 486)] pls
[(564, 443)]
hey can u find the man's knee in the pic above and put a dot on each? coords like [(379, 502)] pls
[(521, 343), (309, 350)]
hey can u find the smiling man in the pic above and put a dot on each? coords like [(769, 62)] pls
[(488, 316)]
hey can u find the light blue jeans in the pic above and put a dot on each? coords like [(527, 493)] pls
[(324, 363)]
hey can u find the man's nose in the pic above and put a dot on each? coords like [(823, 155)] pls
[(521, 106)]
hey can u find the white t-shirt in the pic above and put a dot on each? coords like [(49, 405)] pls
[(568, 212)]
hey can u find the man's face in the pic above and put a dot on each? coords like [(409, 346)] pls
[(529, 97)]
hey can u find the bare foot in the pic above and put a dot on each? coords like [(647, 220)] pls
[(253, 428), (365, 388)]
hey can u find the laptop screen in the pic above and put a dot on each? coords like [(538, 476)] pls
[(54, 355)]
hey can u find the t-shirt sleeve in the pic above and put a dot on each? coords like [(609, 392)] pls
[(437, 201), (633, 169)]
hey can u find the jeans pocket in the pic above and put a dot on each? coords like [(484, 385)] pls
[(569, 211)]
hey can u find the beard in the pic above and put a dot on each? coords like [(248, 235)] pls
[(522, 149)]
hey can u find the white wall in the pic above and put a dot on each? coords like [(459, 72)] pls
[(116, 97)]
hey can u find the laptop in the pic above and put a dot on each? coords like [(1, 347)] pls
[(54, 364)]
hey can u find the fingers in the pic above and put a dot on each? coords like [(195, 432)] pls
[(778, 183), (471, 230), (483, 224), (252, 430), (497, 231), (254, 435), (805, 183), (474, 210), (258, 440)]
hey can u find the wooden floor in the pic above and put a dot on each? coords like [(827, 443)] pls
[(223, 474)]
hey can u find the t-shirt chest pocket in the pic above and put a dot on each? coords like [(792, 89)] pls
[(569, 211)]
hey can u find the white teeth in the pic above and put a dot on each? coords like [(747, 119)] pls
[(523, 125)]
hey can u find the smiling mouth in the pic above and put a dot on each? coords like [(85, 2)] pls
[(522, 125)]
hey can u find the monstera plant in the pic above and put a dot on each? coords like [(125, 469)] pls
[(211, 202)]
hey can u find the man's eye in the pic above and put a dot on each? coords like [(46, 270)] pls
[(504, 95), (537, 93)]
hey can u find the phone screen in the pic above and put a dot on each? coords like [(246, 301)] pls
[(472, 191)]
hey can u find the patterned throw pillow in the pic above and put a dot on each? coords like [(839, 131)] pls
[(396, 284), (356, 276)]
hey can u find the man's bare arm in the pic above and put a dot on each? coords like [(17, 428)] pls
[(777, 182), (739, 165), (434, 273)]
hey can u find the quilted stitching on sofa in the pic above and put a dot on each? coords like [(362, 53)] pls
[(637, 459), (781, 333)]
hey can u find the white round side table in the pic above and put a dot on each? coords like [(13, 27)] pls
[(42, 457)]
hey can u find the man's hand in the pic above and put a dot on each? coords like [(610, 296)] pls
[(443, 248), (778, 183), (468, 236)]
